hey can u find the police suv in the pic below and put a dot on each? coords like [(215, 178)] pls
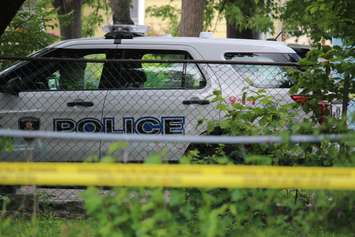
[(85, 85)]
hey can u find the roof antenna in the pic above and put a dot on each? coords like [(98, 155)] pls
[(277, 36)]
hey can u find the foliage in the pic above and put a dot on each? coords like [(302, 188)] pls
[(27, 31), (321, 19), (219, 212), (231, 212), (95, 18), (255, 14), (46, 225), (270, 118), (172, 15), (244, 14), (166, 13), (327, 74), (6, 144), (64, 227)]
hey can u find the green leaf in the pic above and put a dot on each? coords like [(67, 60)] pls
[(258, 160), (154, 158), (117, 146)]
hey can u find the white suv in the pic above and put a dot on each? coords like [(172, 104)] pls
[(131, 97)]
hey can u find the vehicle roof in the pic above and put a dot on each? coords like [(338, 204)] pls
[(209, 49)]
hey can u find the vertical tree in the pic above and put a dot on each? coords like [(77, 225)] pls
[(121, 13), (192, 16), (69, 12)]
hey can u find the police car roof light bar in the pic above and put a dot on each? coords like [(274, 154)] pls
[(124, 31)]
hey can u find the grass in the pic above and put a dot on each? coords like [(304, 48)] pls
[(52, 226), (46, 226)]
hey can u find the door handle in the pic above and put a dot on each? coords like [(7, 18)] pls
[(196, 102), (80, 103)]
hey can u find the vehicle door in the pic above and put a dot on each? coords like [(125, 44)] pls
[(157, 98), (53, 95)]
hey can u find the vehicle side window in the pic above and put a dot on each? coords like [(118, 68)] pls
[(81, 75), (61, 75), (260, 76), (93, 72), (163, 75), (75, 75)]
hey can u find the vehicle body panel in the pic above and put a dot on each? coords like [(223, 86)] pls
[(120, 110)]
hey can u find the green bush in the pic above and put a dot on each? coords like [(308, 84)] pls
[(219, 212), (237, 212), (27, 32)]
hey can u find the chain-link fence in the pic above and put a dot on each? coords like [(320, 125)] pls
[(66, 201), (97, 93), (125, 96)]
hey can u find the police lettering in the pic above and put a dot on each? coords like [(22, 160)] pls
[(143, 125)]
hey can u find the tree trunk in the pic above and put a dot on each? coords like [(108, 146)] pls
[(192, 17), (8, 9), (71, 28), (121, 12)]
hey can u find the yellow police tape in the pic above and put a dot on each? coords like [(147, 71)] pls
[(204, 176)]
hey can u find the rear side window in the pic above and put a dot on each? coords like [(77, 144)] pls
[(164, 75), (263, 76)]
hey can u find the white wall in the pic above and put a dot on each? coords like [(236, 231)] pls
[(138, 12)]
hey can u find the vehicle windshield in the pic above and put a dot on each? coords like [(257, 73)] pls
[(263, 76)]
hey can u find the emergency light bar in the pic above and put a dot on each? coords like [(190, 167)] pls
[(124, 31)]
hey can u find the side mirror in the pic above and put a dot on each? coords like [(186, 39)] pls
[(11, 87)]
